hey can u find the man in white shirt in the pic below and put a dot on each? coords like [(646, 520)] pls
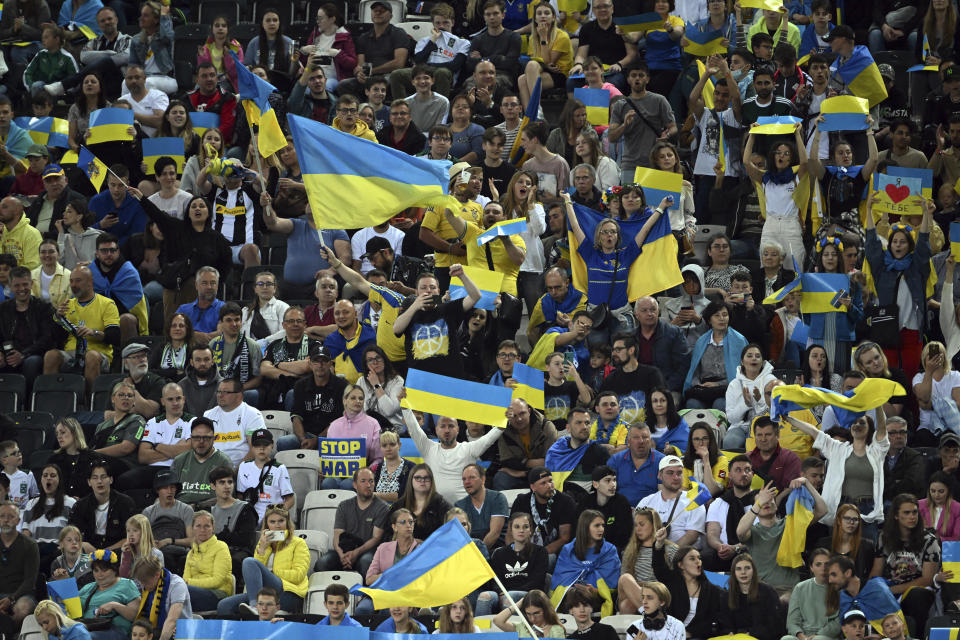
[(168, 435), (721, 534), (148, 104), (235, 420), (685, 526), (447, 458)]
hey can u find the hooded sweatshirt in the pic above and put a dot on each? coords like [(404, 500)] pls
[(199, 397), (740, 412), (671, 307), (360, 129)]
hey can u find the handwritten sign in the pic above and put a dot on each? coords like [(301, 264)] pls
[(342, 457), (899, 195)]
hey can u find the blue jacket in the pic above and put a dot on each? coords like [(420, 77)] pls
[(885, 281), (389, 626), (733, 344), (132, 218), (75, 632), (161, 46)]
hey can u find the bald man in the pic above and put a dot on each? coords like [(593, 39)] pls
[(660, 344), (347, 343), (92, 323), (17, 237)]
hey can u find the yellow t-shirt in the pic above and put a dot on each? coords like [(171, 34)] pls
[(436, 221), (719, 473), (477, 256), (561, 43), (98, 314), (390, 302)]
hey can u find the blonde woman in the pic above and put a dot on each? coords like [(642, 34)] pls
[(281, 561), (211, 146), (73, 457), (937, 388), (56, 624), (139, 543), (551, 53), (208, 568)]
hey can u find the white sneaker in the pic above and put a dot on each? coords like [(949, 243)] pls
[(55, 89)]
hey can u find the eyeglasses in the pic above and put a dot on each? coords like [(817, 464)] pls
[(201, 438), (295, 321), (372, 359), (347, 110), (422, 478), (223, 392), (850, 519), (108, 250), (266, 283), (507, 356), (128, 396), (608, 232), (897, 432)]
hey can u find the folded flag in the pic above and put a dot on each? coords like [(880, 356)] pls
[(110, 124), (600, 569), (203, 120), (658, 184), (66, 593), (561, 459), (489, 283), (697, 494), (597, 102), (869, 394), (641, 22), (703, 43), (255, 92), (844, 113), (955, 240), (502, 228), (800, 507), (517, 154), (354, 182), (875, 600), (50, 132), (92, 166), (442, 569), (775, 125), (455, 398), (861, 75), (950, 558), (156, 148), (529, 385)]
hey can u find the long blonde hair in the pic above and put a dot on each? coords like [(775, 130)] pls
[(277, 509), (536, 49), (147, 543), (633, 547), (50, 607)]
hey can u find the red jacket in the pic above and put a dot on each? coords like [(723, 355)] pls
[(222, 105), (345, 61)]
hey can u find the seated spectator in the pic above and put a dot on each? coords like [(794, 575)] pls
[(770, 460), (218, 49), (589, 558), (524, 424), (392, 473), (521, 566), (26, 325), (285, 360), (427, 107), (271, 48), (54, 622), (310, 97), (747, 316), (200, 384), (335, 598), (719, 273), (807, 615), (713, 363), (849, 540), (263, 318), (207, 569), (656, 623), (357, 527), (555, 511), (745, 398), (28, 28), (317, 401), (329, 33), (23, 485), (400, 621), (870, 360), (423, 501), (118, 437), (45, 515), (169, 359), (354, 423), (347, 118), (170, 520), (235, 421), (159, 583), (138, 544), (30, 182), (192, 468), (937, 390), (578, 445), (381, 386), (539, 613), (630, 383), (51, 281), (939, 510), (725, 512), (263, 477), (684, 312), (320, 322), (388, 553), (496, 44), (236, 355), (72, 561), (110, 596), (76, 239), (402, 134), (687, 525), (752, 606), (51, 64), (73, 457), (235, 521), (563, 395)]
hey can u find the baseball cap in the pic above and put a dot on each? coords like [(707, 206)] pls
[(375, 244), (164, 478), (134, 347), (537, 473), (37, 151), (52, 170), (950, 438), (886, 71), (951, 73), (385, 5), (841, 31), (669, 461), (853, 614), (317, 350), (261, 437)]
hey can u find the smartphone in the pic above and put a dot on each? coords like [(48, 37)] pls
[(736, 297), (437, 300), (686, 308), (836, 298), (568, 357), (276, 536), (367, 69)]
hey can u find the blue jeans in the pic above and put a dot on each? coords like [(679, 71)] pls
[(879, 43), (252, 397), (719, 403), (336, 483), (203, 599), (108, 634), (503, 481), (154, 292), (23, 55), (256, 576), (288, 442), (488, 602), (735, 438)]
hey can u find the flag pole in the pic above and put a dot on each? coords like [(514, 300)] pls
[(256, 155), (513, 605)]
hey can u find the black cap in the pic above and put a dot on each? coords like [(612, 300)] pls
[(385, 5), (261, 437), (951, 73), (601, 472), (537, 473), (841, 31), (317, 350), (375, 244), (165, 478)]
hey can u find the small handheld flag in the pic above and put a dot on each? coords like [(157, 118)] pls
[(955, 240), (769, 5), (703, 43), (529, 385), (775, 125), (110, 124), (50, 132), (255, 92), (698, 494), (489, 283), (66, 593), (92, 166), (950, 558), (597, 102), (156, 148), (800, 506), (844, 113), (203, 120), (641, 22), (502, 228), (657, 185)]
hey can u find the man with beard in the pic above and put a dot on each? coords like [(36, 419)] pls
[(686, 524), (576, 449), (18, 573), (555, 307), (725, 512), (486, 509), (363, 517), (25, 322), (347, 343), (235, 354), (556, 513), (148, 385), (447, 457), (192, 468), (204, 312), (116, 278), (641, 120), (631, 381), (437, 232), (200, 384), (764, 103), (317, 401), (285, 361)]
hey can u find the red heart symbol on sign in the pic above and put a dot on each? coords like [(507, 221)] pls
[(897, 194)]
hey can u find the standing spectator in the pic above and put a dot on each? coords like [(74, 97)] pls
[(523, 445), (641, 119), (152, 48), (769, 459), (599, 38)]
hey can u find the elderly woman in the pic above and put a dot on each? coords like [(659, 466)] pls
[(714, 361), (772, 275), (110, 596)]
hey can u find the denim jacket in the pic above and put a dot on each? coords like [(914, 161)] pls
[(161, 46)]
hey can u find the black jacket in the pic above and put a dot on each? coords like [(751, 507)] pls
[(84, 517), (907, 476), (671, 354), (763, 619), (58, 206), (37, 322), (706, 622)]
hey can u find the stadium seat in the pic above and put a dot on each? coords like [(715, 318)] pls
[(102, 388), (283, 9), (13, 392), (319, 581), (511, 494), (620, 622), (278, 422), (416, 30), (244, 32), (704, 231), (34, 431), (787, 375), (299, 31), (719, 426), (38, 459), (58, 393), (317, 541), (320, 508), (304, 468), (211, 9)]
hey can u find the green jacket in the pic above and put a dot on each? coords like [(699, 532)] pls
[(49, 67)]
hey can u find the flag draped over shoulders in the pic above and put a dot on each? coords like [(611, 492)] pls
[(599, 569)]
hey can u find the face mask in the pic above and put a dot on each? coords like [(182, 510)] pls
[(738, 74)]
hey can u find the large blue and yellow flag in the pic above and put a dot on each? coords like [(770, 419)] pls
[(442, 569), (869, 394), (455, 398), (352, 182), (561, 459), (600, 569), (597, 102), (110, 124), (768, 5), (93, 167), (697, 494), (502, 228), (517, 154), (255, 92), (875, 600), (203, 120), (861, 75), (844, 113), (489, 283), (156, 148), (955, 240), (799, 516), (49, 131), (950, 558), (66, 593), (529, 385), (654, 271), (641, 22), (126, 289), (703, 43)]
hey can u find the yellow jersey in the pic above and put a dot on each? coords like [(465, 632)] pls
[(98, 314), (477, 256), (436, 221)]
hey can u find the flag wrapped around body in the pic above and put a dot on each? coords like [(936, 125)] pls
[(844, 113), (600, 569), (655, 270), (597, 102), (442, 569), (869, 394), (529, 383), (517, 154), (354, 182), (489, 283), (110, 124), (455, 398), (156, 148), (800, 506), (861, 75), (255, 92), (875, 600), (126, 289), (49, 131), (66, 593), (93, 167), (561, 460)]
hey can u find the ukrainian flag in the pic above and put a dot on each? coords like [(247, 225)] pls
[(352, 182), (844, 113), (943, 634), (203, 120), (489, 283), (92, 166), (657, 185), (601, 569), (50, 132), (255, 630), (925, 175), (875, 600), (409, 451), (697, 494), (955, 240), (66, 593), (703, 43), (708, 86), (110, 124), (654, 271), (517, 154), (924, 56), (502, 228), (642, 22), (775, 125), (597, 102), (529, 385), (562, 460), (443, 568), (722, 151), (869, 394), (799, 516), (819, 290), (777, 296), (460, 399), (950, 558), (156, 148), (255, 94), (571, 6), (861, 75)]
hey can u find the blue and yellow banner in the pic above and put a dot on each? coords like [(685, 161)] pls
[(844, 113), (775, 125), (925, 53), (352, 182), (110, 124), (203, 120), (66, 593), (944, 634), (156, 148), (255, 92), (869, 394), (562, 460), (820, 290), (517, 153), (456, 398), (955, 240), (93, 167), (657, 185), (256, 630), (529, 385), (861, 75), (768, 5), (641, 22), (442, 569), (925, 176), (703, 43), (697, 494), (489, 283), (49, 131), (950, 558), (341, 457), (898, 195), (799, 511), (502, 228), (597, 102)]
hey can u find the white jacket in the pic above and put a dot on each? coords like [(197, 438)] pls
[(272, 313), (836, 454), (948, 321), (740, 412)]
